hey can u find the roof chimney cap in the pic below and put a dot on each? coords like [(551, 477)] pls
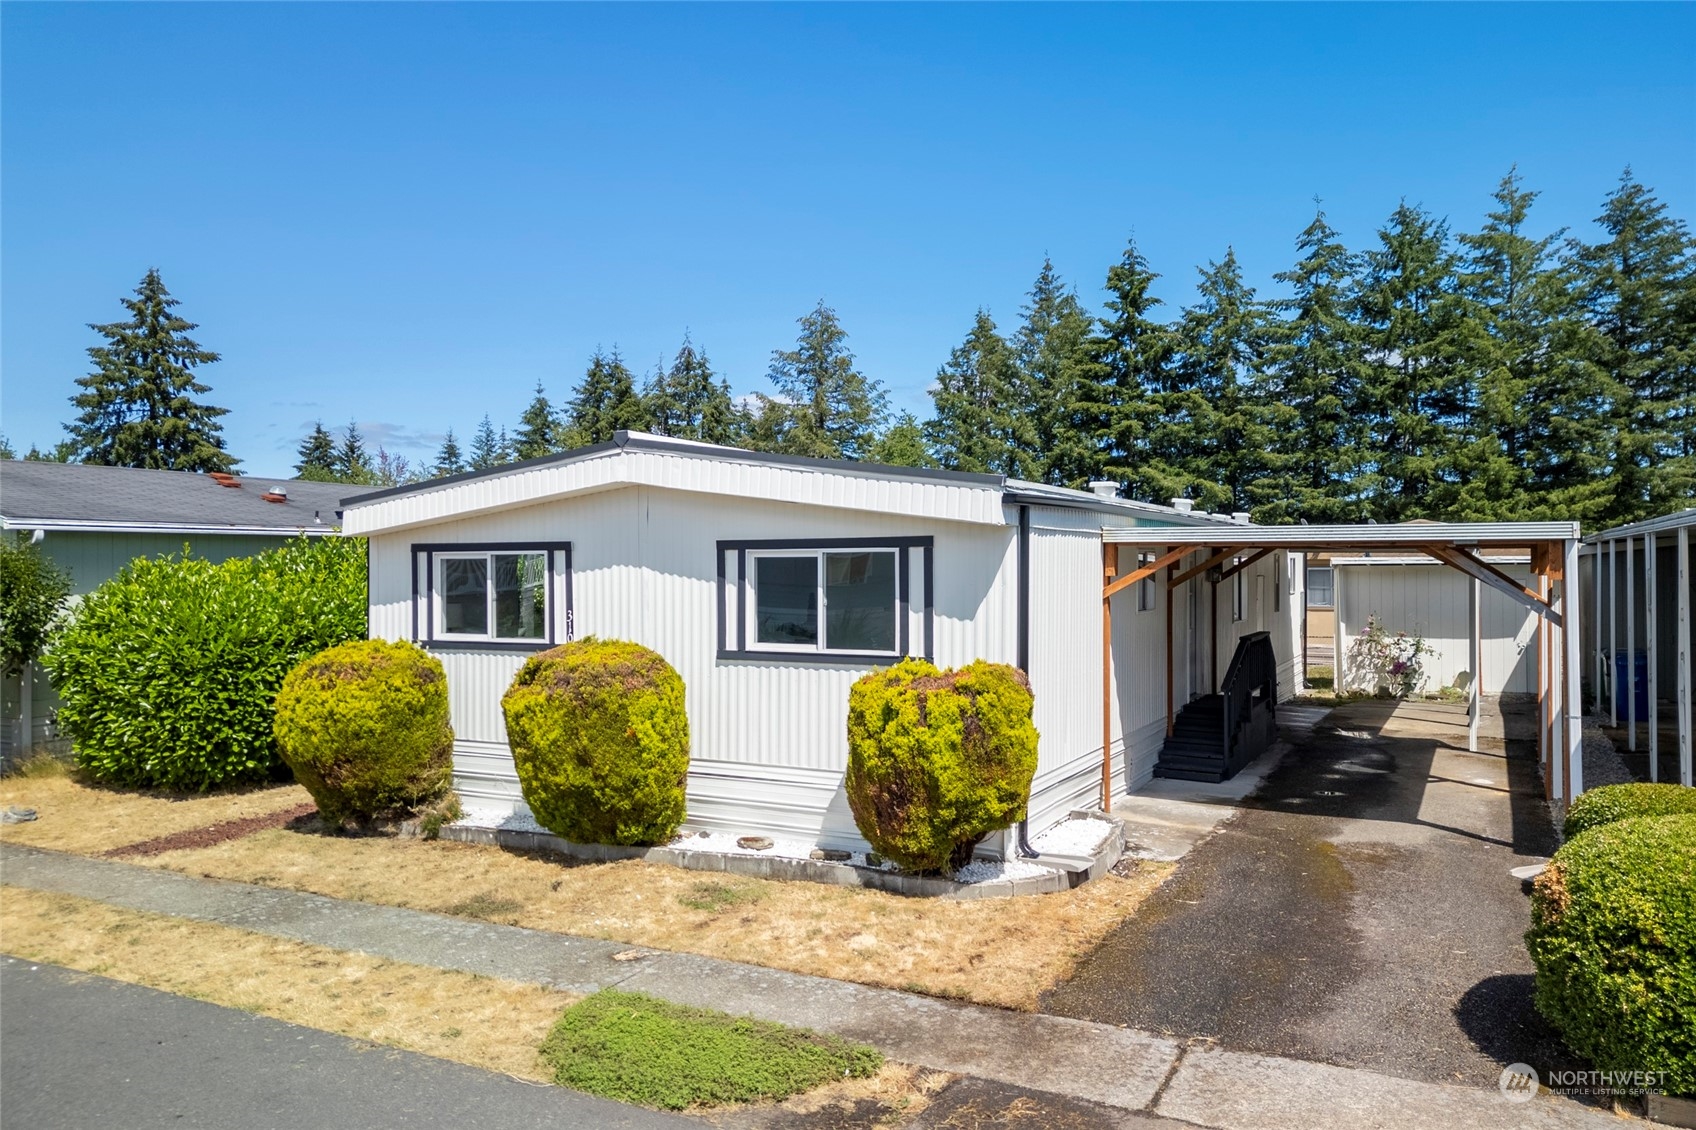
[(1104, 488), (1240, 517), (1182, 505)]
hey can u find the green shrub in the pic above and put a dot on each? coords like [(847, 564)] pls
[(601, 741), (166, 672), (1613, 936), (32, 594), (938, 760), (636, 1049), (1622, 802), (364, 726)]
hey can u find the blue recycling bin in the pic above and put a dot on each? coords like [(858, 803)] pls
[(1631, 669)]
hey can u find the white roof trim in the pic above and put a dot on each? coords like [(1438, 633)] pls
[(1663, 524), (1348, 537), (1418, 559)]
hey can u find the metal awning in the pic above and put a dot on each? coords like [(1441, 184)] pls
[(1313, 538)]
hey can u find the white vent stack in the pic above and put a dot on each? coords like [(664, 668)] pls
[(1240, 517), (1104, 488), (1182, 505)]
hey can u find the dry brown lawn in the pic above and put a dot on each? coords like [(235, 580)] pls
[(995, 951), (87, 819), (482, 1021)]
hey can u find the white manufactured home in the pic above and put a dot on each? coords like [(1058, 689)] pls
[(771, 583)]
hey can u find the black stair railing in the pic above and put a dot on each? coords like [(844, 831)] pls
[(1250, 686)]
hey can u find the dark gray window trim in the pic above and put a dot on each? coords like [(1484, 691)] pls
[(425, 608), (903, 547)]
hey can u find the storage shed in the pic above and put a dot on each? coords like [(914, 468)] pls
[(771, 583)]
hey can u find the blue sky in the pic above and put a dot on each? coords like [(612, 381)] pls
[(408, 214)]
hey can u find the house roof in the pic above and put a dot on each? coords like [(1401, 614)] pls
[(80, 496), (637, 458)]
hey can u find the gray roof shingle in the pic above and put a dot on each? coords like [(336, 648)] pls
[(67, 495)]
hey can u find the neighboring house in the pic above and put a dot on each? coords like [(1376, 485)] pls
[(91, 521), (1417, 595), (772, 583), (1321, 620)]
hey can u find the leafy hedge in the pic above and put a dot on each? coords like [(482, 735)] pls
[(364, 725), (1613, 936), (32, 594), (1622, 802), (601, 741), (166, 673), (938, 760)]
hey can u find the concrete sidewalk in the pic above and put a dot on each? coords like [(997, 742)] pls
[(1114, 1066)]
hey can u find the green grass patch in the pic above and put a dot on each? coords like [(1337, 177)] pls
[(720, 896), (1321, 677), (38, 765), (636, 1049)]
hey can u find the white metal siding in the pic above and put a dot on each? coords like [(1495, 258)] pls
[(1435, 601)]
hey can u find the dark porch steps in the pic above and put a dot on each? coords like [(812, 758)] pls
[(1196, 749)]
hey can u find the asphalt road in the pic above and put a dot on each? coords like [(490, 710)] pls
[(78, 1051), (1358, 911)]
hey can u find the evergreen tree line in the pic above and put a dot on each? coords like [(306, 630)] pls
[(1502, 373)]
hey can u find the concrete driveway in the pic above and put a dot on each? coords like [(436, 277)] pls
[(1357, 909)]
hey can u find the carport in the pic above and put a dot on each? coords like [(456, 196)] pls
[(1184, 559)]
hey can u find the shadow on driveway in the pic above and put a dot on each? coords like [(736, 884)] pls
[(1357, 911)]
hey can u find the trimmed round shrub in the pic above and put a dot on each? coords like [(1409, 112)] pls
[(1622, 802), (364, 725), (601, 741), (167, 671), (937, 760), (1613, 936)]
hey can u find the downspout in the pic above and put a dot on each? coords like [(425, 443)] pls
[(1022, 646)]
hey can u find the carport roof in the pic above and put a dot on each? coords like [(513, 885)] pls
[(1410, 534)]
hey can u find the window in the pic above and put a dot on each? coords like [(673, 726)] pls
[(820, 600), (1146, 586), (1239, 592), (500, 595), (1319, 590)]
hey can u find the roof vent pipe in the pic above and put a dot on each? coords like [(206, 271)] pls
[(1104, 488), (1182, 505), (1240, 517), (276, 494)]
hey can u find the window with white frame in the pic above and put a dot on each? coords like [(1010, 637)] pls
[(502, 595), (811, 599), (1146, 586), (1319, 586)]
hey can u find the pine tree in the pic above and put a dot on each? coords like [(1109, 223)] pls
[(976, 425), (317, 455), (824, 407), (1414, 384), (1535, 442), (688, 401), (903, 445), (138, 407), (449, 461), (1639, 287), (1053, 352), (485, 447), (1131, 351), (352, 461), (504, 448), (1216, 378), (538, 429), (605, 402), (1313, 390), (7, 451)]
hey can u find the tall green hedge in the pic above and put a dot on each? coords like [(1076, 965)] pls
[(937, 760), (364, 725), (1613, 936), (166, 673), (600, 738)]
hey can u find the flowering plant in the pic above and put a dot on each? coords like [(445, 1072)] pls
[(1389, 662)]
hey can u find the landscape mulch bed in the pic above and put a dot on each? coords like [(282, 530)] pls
[(212, 834)]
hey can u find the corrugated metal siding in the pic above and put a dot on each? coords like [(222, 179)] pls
[(1435, 601)]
